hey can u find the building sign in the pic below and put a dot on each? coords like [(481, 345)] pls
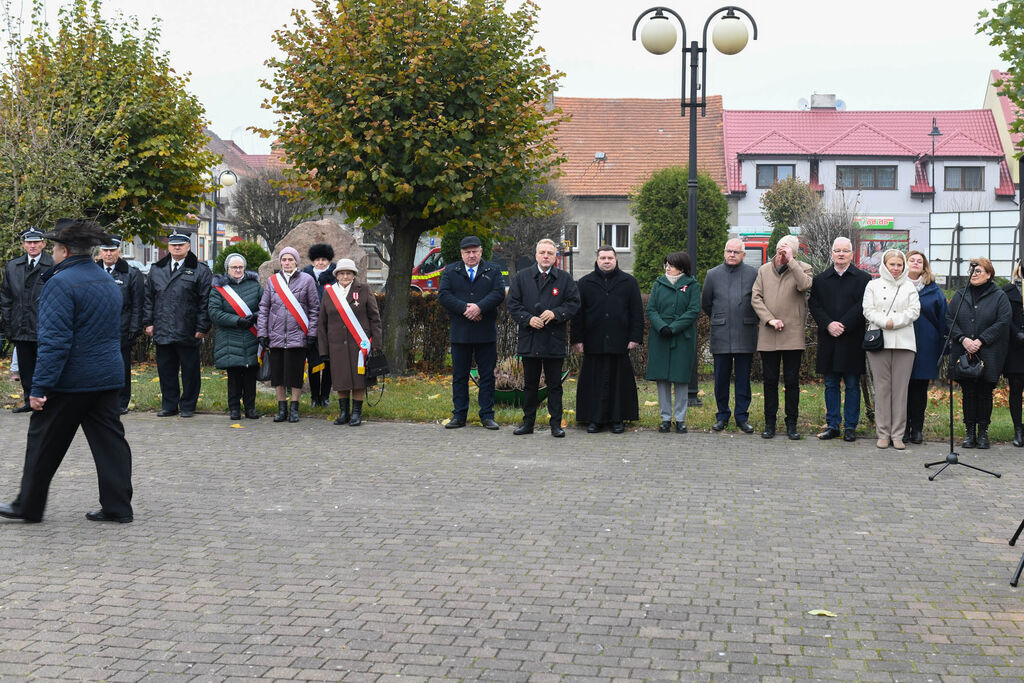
[(875, 222), (872, 244)]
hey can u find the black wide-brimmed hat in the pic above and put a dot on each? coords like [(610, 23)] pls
[(78, 233)]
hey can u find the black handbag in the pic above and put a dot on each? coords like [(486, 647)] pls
[(968, 366), (376, 364), (873, 339)]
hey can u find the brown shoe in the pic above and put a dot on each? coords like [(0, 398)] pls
[(898, 444), (882, 443)]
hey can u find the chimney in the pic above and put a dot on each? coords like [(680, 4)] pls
[(819, 101)]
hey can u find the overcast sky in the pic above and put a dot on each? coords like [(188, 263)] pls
[(872, 54)]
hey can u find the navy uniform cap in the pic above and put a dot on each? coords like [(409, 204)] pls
[(113, 242), (32, 235), (176, 237)]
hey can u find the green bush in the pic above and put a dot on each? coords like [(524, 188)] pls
[(660, 208), (254, 254), (778, 233)]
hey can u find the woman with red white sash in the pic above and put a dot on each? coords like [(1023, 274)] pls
[(287, 324), (349, 330), (234, 300)]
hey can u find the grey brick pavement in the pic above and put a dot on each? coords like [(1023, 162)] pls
[(314, 552)]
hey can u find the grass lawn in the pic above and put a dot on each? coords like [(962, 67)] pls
[(422, 398)]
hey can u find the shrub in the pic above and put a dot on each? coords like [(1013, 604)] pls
[(254, 254)]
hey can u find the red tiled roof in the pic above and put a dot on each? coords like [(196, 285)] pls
[(638, 137), (1010, 111), (827, 132), (1006, 188), (921, 183)]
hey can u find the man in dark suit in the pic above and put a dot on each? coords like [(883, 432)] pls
[(471, 290), (19, 294), (78, 380), (836, 303), (176, 315), (542, 299), (130, 281)]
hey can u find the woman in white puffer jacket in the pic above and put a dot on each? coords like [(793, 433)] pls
[(891, 305)]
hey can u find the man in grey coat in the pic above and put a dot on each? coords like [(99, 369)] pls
[(725, 298)]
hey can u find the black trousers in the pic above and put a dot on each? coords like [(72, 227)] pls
[(319, 382), (917, 402), (976, 401), (552, 368), (126, 390), (26, 364), (462, 361), (170, 359), (1016, 383), (242, 387), (50, 432), (790, 361)]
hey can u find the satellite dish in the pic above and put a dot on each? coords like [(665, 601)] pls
[(840, 105), (802, 104)]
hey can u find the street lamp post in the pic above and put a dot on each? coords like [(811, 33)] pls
[(658, 37), (934, 134), (225, 178)]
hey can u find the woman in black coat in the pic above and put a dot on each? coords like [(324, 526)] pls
[(979, 327), (1013, 368)]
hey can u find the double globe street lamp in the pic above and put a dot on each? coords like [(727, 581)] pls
[(225, 178), (658, 37)]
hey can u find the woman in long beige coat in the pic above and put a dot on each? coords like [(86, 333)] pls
[(341, 346), (779, 298)]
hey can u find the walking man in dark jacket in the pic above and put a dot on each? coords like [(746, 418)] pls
[(78, 380), (725, 299), (175, 314), (18, 296), (608, 325), (836, 303), (471, 290), (130, 281), (542, 299)]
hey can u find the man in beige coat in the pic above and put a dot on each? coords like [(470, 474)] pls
[(779, 298)]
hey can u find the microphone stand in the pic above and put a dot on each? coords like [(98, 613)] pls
[(953, 458)]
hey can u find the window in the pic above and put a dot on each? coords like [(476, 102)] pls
[(866, 177), (966, 178), (128, 249), (614, 234), (570, 234), (769, 174)]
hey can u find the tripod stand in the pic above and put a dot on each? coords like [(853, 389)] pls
[(1020, 566), (953, 458)]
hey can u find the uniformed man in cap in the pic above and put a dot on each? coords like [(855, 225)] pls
[(19, 294), (175, 315), (77, 381), (471, 290), (130, 281)]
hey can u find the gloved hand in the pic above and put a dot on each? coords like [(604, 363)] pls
[(1019, 337), (665, 331), (311, 342), (264, 342), (247, 321)]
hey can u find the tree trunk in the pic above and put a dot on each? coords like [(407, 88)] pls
[(396, 295)]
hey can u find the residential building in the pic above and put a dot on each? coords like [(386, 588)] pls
[(1005, 113)]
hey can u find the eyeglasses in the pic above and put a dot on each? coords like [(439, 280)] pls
[(842, 251), (236, 267)]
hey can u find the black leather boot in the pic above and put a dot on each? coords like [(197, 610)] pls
[(343, 413), (251, 414), (769, 430), (357, 414), (1018, 436), (293, 413), (983, 441), (971, 439), (282, 411), (235, 413), (791, 431)]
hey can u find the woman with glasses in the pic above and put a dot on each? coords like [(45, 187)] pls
[(234, 303)]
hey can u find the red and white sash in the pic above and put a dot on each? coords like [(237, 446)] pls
[(236, 303), (290, 302), (352, 323)]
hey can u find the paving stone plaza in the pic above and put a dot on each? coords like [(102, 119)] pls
[(315, 552)]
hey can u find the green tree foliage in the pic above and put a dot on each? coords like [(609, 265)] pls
[(419, 113), (1003, 24), (94, 122), (453, 235), (254, 254), (660, 207), (778, 233), (789, 202)]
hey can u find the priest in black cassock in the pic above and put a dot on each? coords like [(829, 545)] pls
[(609, 324)]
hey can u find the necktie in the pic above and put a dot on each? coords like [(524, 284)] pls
[(110, 270), (175, 268), (470, 274), (31, 263)]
